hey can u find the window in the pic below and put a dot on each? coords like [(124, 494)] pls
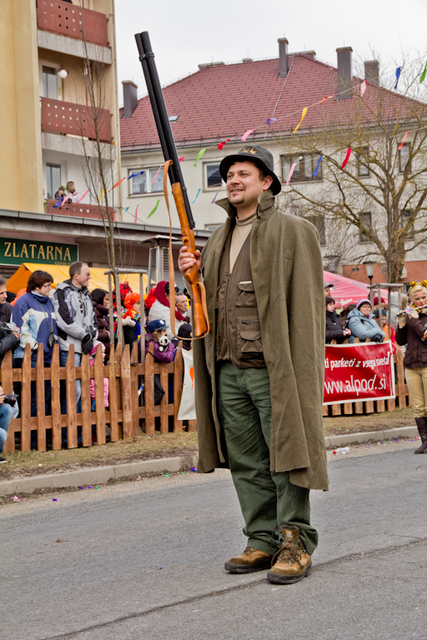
[(366, 221), (145, 181), (319, 223), (363, 162), (50, 83), (211, 227), (304, 169), (212, 176), (405, 215), (405, 158), (53, 180)]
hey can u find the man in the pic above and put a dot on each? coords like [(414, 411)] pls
[(327, 289), (181, 302), (75, 316), (259, 372), (5, 307)]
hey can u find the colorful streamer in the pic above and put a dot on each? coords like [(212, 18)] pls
[(215, 196), (374, 145), (196, 196), (133, 175), (117, 184), (58, 204), (158, 171), (270, 120), (317, 166), (304, 111), (102, 193), (85, 194), (291, 173), (136, 214), (347, 158), (398, 70), (248, 133), (154, 210), (199, 155), (363, 88), (221, 144), (127, 209), (424, 73), (181, 159), (403, 141)]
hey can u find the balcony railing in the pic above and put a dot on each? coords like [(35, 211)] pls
[(72, 21), (79, 210), (79, 120)]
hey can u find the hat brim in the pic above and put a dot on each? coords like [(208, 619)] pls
[(276, 185)]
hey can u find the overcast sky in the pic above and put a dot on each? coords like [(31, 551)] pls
[(185, 33)]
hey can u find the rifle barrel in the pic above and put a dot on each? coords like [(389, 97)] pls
[(161, 117)]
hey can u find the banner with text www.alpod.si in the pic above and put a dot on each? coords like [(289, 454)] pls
[(357, 372)]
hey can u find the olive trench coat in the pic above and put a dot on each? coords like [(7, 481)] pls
[(287, 273)]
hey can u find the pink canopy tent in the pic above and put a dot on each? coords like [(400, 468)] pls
[(347, 291)]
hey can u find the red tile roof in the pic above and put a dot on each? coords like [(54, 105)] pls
[(224, 101)]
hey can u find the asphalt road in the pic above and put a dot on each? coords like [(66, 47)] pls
[(144, 560)]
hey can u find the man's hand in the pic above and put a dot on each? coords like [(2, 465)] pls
[(87, 342), (16, 332), (1, 395), (347, 332), (186, 260)]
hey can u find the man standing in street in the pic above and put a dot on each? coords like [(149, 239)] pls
[(75, 316), (259, 372), (5, 307)]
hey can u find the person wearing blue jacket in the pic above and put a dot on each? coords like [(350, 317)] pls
[(362, 323)]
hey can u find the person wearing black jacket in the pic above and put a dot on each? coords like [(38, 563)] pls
[(334, 329), (9, 340)]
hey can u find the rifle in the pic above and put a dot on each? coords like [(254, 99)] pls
[(179, 192)]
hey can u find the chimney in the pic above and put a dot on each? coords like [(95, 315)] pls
[(372, 71), (283, 57), (130, 98), (345, 73)]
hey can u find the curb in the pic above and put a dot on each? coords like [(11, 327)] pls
[(96, 475), (101, 475)]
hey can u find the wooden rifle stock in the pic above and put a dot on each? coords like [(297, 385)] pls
[(201, 326)]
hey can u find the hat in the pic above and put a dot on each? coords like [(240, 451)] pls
[(259, 156), (376, 300), (156, 325), (363, 301), (377, 314), (325, 284)]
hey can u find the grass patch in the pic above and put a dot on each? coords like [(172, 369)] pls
[(371, 422)]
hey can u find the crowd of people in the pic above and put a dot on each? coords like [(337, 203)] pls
[(70, 314)]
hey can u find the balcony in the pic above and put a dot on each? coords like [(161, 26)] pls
[(78, 210), (75, 119), (73, 21)]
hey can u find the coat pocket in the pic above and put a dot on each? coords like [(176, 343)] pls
[(246, 294), (249, 343)]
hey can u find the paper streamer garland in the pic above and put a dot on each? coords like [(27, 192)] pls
[(154, 210), (221, 144), (347, 158), (403, 141), (270, 120), (290, 174), (363, 88), (136, 214), (424, 73), (181, 159), (317, 166), (133, 175), (304, 111), (117, 184), (58, 204), (102, 193), (398, 70), (196, 196), (248, 133), (199, 155), (158, 171), (215, 196), (85, 194)]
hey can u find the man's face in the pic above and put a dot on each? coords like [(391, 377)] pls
[(327, 292), (244, 185), (82, 279), (3, 294), (181, 303)]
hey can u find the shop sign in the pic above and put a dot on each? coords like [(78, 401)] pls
[(13, 251)]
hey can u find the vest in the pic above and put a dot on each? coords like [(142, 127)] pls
[(238, 336)]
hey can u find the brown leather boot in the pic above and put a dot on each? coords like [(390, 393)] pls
[(293, 562), (422, 430), (249, 561)]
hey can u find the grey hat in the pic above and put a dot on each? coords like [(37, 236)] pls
[(263, 158)]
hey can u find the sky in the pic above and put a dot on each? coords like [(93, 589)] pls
[(186, 33)]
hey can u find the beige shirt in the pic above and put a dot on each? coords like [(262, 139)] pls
[(240, 233)]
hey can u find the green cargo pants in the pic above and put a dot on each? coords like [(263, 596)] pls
[(267, 498)]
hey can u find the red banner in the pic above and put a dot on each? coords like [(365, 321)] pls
[(355, 372)]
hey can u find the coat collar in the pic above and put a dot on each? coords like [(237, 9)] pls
[(265, 205)]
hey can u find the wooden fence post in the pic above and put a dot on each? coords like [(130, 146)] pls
[(99, 396), (86, 402), (134, 388), (7, 386), (70, 383), (114, 424), (149, 391), (26, 400), (126, 394), (55, 399), (40, 398)]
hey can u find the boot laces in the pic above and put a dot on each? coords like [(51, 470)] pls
[(287, 552)]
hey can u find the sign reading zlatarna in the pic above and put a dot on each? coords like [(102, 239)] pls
[(14, 251)]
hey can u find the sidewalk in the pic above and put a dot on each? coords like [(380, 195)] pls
[(101, 475)]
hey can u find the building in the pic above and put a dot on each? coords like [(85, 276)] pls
[(303, 110)]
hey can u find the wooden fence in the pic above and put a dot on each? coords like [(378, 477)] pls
[(401, 400), (129, 411)]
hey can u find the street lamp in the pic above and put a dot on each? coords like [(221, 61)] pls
[(370, 271)]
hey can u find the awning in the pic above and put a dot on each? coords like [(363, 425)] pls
[(60, 273), (347, 291)]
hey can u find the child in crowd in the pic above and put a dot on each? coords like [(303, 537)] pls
[(164, 351)]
